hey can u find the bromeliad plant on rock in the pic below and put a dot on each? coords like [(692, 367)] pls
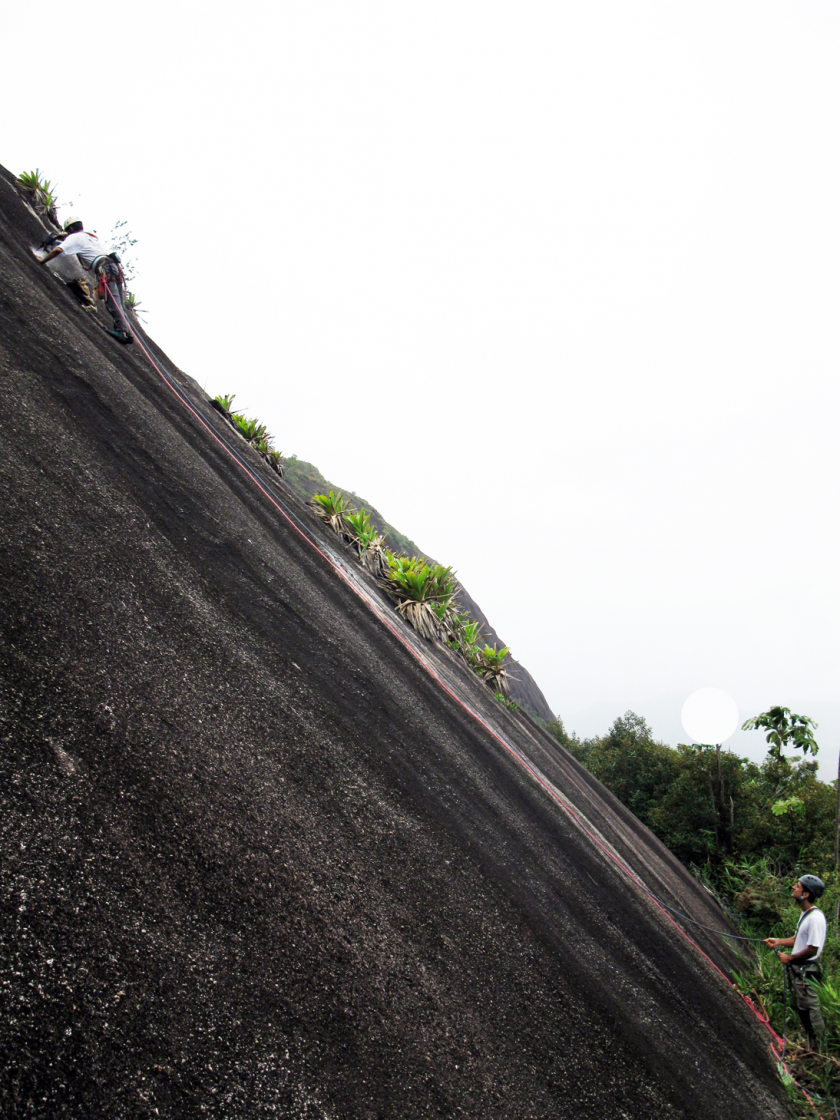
[(252, 431), (41, 192), (491, 665), (367, 541), (224, 403), (132, 304), (464, 637), (332, 508), (424, 593)]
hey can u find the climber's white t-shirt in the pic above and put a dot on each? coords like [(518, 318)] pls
[(87, 247), (810, 931)]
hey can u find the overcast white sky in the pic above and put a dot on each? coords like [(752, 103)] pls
[(553, 284)]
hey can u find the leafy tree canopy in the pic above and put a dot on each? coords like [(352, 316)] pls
[(785, 729)]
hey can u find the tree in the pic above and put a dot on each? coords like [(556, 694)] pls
[(630, 763), (689, 819), (785, 728)]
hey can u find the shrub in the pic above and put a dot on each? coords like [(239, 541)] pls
[(760, 891)]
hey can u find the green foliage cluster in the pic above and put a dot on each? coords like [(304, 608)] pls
[(511, 705), (706, 804), (333, 508), (785, 729), (252, 431), (41, 191), (486, 661), (424, 591)]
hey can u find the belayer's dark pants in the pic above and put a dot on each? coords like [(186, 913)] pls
[(115, 295), (808, 1004)]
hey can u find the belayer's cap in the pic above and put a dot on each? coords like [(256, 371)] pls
[(71, 221), (812, 885)]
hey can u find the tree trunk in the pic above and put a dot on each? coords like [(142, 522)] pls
[(725, 836), (714, 811)]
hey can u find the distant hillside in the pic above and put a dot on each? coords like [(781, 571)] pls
[(306, 480)]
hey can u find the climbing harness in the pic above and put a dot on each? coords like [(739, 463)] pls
[(102, 270)]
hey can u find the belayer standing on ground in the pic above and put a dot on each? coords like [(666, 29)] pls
[(803, 963), (91, 256)]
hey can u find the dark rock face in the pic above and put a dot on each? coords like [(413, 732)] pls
[(255, 861)]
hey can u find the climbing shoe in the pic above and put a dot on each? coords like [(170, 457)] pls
[(121, 336)]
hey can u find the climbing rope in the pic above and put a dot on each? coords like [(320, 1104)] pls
[(426, 663), (709, 929)]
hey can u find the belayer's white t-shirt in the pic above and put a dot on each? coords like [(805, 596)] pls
[(810, 930), (87, 247)]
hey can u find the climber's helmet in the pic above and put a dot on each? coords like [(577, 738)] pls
[(812, 885), (71, 222)]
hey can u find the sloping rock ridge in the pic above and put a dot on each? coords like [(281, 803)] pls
[(264, 852), (305, 480)]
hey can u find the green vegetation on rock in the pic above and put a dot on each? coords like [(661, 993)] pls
[(306, 481), (41, 192), (252, 431), (424, 591)]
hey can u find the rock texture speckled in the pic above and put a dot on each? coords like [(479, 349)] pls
[(255, 862)]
